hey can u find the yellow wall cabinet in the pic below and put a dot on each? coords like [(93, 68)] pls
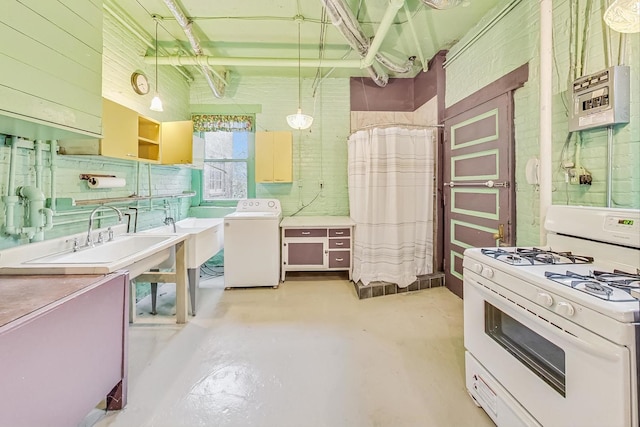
[(177, 143), (274, 157), (128, 135)]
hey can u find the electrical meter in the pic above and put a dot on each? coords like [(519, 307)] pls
[(600, 99)]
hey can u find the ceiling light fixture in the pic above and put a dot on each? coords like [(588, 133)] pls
[(156, 102), (299, 121), (623, 16)]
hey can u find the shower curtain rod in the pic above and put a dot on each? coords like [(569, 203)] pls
[(377, 125), (385, 125)]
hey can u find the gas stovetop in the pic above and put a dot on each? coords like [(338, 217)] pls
[(610, 286), (535, 256)]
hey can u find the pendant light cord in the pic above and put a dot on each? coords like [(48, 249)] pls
[(156, 55), (299, 78)]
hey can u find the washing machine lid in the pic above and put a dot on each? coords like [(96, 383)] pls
[(253, 215)]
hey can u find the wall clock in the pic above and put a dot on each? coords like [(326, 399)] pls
[(139, 83)]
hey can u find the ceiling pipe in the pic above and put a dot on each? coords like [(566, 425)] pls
[(414, 34), (215, 81), (383, 29), (255, 62), (116, 14)]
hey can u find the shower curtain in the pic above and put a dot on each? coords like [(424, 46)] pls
[(391, 185)]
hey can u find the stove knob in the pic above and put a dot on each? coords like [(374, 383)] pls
[(477, 268), (544, 299), (565, 309), (487, 272)]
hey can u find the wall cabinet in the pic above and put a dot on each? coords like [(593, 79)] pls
[(177, 143), (51, 68), (274, 157), (316, 244), (128, 135)]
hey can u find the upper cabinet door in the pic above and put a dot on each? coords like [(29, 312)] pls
[(51, 69), (177, 143), (274, 160), (120, 130)]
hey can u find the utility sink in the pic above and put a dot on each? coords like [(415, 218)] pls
[(136, 253), (204, 238)]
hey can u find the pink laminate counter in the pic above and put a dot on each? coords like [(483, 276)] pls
[(63, 347)]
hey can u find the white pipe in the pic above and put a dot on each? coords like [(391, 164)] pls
[(383, 29), (38, 163), (39, 218), (255, 62), (609, 165), (12, 165), (545, 134), (53, 166), (10, 199)]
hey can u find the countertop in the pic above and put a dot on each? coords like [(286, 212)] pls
[(22, 295), (317, 221)]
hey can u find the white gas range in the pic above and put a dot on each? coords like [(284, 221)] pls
[(553, 334)]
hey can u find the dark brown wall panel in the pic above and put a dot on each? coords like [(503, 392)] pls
[(397, 95)]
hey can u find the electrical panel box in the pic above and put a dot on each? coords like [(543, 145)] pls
[(600, 99)]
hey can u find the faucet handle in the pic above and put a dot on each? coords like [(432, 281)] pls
[(110, 233), (100, 237)]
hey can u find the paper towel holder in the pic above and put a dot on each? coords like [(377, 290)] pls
[(88, 176)]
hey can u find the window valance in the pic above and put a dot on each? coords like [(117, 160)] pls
[(222, 123)]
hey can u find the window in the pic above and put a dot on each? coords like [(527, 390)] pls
[(226, 166), (228, 172)]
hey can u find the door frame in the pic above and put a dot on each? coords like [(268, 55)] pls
[(505, 84)]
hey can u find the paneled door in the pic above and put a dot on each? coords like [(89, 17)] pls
[(478, 178)]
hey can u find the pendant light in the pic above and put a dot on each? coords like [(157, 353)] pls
[(156, 102), (623, 16), (299, 121)]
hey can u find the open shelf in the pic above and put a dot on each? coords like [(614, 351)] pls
[(148, 139)]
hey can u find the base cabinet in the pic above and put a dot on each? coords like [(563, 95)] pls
[(316, 244)]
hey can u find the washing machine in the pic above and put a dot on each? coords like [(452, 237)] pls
[(252, 244)]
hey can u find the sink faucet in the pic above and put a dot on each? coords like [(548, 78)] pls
[(169, 220), (93, 212)]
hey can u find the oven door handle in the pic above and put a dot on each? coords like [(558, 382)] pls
[(591, 348)]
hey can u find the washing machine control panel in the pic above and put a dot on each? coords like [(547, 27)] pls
[(259, 205)]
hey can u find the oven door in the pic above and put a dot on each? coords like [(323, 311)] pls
[(561, 374)]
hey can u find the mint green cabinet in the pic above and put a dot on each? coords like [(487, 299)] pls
[(51, 68)]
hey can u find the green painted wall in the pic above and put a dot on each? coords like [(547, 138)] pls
[(122, 55), (513, 41), (319, 154)]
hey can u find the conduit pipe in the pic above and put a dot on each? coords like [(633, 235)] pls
[(255, 62), (545, 136), (216, 82)]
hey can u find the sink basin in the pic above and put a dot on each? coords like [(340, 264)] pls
[(136, 253), (204, 239)]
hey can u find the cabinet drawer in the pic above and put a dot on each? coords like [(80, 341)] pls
[(339, 232), (339, 259), (305, 232), (339, 243)]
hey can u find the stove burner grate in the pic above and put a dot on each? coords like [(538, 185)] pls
[(533, 256), (594, 285), (618, 279)]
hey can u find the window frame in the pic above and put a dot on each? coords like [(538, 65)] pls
[(251, 181)]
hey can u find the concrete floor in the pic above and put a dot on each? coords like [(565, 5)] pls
[(307, 354)]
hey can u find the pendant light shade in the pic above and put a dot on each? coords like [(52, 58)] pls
[(623, 16), (299, 121), (156, 102)]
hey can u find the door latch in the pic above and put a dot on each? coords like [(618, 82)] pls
[(499, 236)]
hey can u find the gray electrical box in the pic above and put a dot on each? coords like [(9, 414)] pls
[(600, 99)]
